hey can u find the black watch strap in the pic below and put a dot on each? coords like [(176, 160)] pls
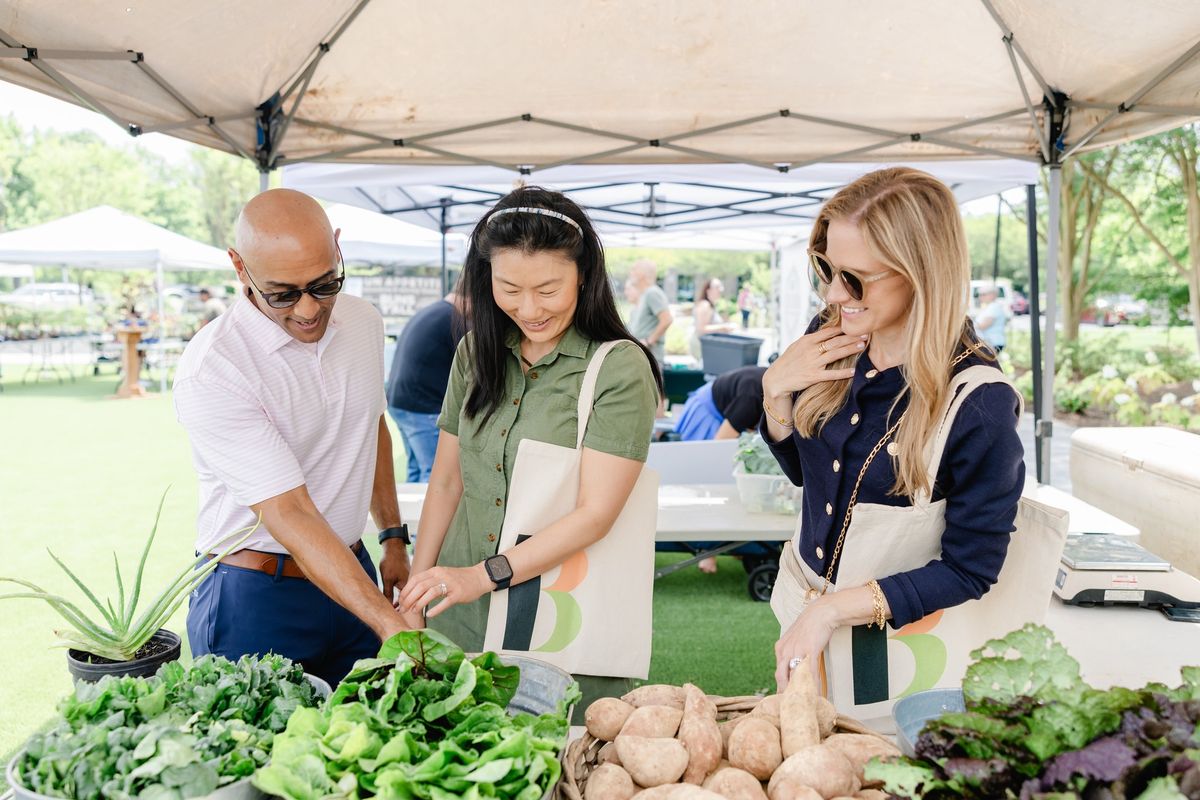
[(400, 533)]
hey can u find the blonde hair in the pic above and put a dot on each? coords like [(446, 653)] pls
[(910, 221)]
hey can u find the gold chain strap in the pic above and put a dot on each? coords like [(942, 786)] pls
[(837, 550)]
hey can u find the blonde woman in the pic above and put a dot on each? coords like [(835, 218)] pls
[(859, 412)]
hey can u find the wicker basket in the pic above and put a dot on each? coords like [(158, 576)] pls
[(579, 759)]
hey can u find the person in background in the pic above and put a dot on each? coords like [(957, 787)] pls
[(722, 409), (282, 400), (991, 320), (212, 307), (745, 304), (420, 371), (706, 317), (652, 314)]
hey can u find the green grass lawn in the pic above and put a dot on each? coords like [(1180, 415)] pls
[(81, 474)]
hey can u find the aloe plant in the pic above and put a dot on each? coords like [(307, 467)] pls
[(121, 630)]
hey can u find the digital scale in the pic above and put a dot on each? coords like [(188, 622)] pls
[(1102, 570)]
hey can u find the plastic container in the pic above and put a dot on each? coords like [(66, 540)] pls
[(722, 352), (766, 494), (83, 670), (911, 713), (1148, 477)]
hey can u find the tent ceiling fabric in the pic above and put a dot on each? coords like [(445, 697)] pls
[(627, 199), (600, 83)]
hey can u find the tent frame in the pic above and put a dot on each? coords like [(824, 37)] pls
[(273, 120)]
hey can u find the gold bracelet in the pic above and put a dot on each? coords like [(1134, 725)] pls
[(878, 604), (780, 422)]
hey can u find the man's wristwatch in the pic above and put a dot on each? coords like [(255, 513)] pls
[(498, 571), (400, 533)]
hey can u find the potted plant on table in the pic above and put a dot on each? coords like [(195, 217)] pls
[(123, 640)]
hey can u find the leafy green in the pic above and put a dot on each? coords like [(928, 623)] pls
[(1034, 728), (755, 457), (181, 733), (419, 721)]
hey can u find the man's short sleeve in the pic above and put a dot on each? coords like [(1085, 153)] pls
[(623, 411), (656, 300), (234, 439), (456, 388)]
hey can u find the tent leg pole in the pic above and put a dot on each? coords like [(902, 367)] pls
[(1052, 243), (996, 250), (162, 330), (1035, 331), (264, 180), (445, 277)]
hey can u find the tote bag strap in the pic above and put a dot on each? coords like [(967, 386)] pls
[(963, 384), (587, 391)]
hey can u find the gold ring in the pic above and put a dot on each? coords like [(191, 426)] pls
[(822, 348)]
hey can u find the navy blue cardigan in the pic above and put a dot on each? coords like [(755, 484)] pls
[(981, 477)]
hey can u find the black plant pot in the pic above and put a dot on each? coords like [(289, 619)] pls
[(82, 669)]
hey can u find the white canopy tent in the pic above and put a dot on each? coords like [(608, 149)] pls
[(104, 238), (773, 84), (370, 238)]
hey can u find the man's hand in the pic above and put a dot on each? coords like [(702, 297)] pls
[(394, 569)]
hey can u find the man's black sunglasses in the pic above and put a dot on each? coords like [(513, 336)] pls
[(289, 298)]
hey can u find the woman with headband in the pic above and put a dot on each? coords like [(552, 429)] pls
[(540, 305), (859, 412)]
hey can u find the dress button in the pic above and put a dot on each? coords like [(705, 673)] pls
[(837, 465), (820, 552), (498, 501), (533, 376), (503, 431), (499, 468), (491, 537), (516, 401), (828, 508), (854, 418), (871, 373)]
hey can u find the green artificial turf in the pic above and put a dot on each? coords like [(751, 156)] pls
[(81, 473)]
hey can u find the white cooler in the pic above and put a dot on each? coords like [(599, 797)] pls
[(1149, 477)]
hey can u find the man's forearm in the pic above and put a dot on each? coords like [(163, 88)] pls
[(659, 331), (329, 564), (385, 507)]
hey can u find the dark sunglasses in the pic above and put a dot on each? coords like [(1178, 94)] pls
[(289, 297), (825, 272)]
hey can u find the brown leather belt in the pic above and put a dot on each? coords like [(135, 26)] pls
[(270, 562)]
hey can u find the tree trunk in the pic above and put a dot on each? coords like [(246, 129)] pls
[(1191, 191)]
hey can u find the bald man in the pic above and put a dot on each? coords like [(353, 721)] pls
[(282, 399), (651, 315)]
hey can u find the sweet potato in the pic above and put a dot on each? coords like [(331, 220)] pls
[(823, 768), (605, 717), (700, 735), (676, 791), (652, 762), (768, 708), (872, 794), (860, 748), (798, 724), (652, 722), (609, 782), (754, 747), (656, 694), (608, 755), (727, 727), (826, 716), (735, 784), (791, 790)]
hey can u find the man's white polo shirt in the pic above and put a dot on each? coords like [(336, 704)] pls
[(266, 413)]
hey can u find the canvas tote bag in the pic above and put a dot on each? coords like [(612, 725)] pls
[(591, 615), (867, 669)]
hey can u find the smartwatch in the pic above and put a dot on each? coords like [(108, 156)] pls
[(400, 533), (498, 571)]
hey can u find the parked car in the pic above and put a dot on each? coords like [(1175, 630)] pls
[(50, 296), (1019, 304), (1100, 313)]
